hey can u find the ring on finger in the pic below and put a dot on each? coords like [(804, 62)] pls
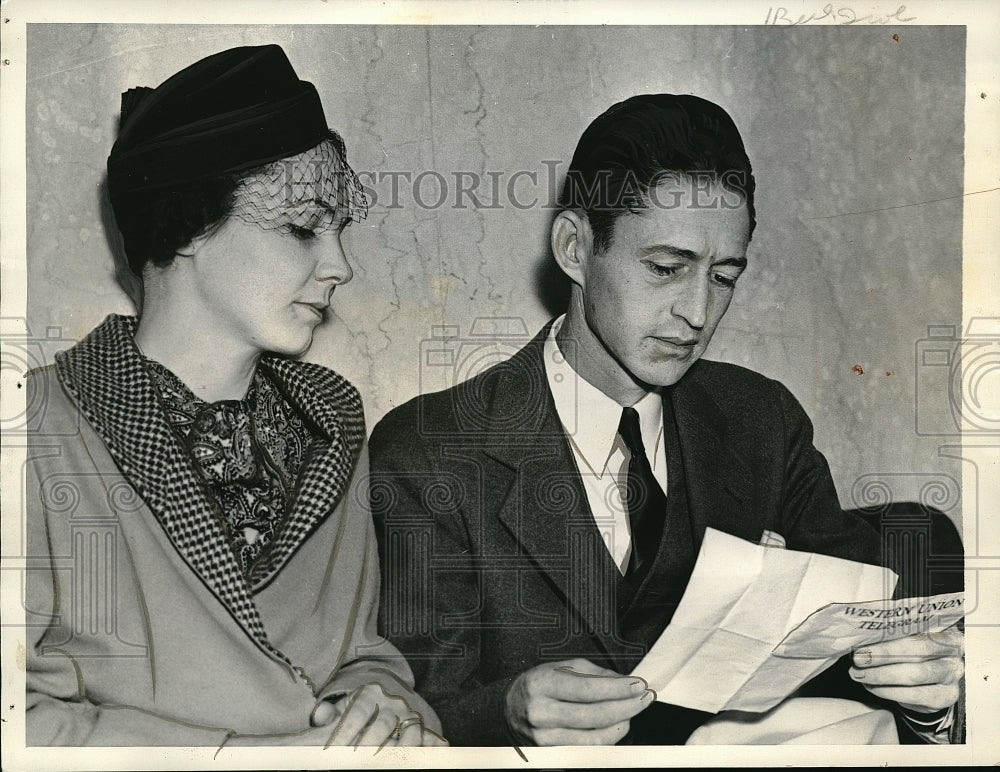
[(406, 723)]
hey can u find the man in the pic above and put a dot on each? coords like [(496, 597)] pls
[(539, 522)]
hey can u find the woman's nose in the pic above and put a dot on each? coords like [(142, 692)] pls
[(334, 266)]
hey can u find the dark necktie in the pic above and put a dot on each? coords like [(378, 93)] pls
[(644, 499)]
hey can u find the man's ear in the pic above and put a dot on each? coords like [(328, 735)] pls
[(572, 243)]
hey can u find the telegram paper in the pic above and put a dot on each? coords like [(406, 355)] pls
[(732, 643)]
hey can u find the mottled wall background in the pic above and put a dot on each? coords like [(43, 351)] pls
[(837, 121)]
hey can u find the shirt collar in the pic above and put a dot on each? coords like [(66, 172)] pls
[(589, 416)]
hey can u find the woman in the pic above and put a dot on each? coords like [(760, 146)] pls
[(206, 568)]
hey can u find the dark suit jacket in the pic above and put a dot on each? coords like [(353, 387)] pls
[(491, 560)]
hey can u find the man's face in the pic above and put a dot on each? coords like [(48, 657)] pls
[(655, 297)]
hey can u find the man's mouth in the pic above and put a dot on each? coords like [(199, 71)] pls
[(679, 343), (680, 349)]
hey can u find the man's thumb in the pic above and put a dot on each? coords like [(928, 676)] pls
[(324, 713)]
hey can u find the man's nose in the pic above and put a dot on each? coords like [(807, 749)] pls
[(691, 303), (334, 265)]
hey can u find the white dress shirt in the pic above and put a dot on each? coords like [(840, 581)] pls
[(590, 419)]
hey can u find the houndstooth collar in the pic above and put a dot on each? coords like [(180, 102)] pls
[(105, 374)]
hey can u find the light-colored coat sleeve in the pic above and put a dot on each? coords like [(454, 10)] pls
[(58, 711), (346, 602)]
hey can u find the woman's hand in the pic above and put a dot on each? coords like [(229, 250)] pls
[(370, 715)]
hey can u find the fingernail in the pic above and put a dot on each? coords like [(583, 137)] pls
[(639, 685), (649, 695)]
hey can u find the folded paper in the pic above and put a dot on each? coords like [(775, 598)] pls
[(847, 626), (755, 623)]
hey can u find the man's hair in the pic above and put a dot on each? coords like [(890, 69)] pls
[(645, 140)]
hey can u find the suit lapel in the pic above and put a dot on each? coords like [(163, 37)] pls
[(720, 484), (539, 495)]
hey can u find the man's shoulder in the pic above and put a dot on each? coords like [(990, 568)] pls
[(447, 408), (472, 407), (742, 395), (722, 376), (403, 422)]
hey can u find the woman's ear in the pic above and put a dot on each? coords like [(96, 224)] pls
[(194, 246), (572, 243)]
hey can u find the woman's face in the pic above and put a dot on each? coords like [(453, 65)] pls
[(269, 289)]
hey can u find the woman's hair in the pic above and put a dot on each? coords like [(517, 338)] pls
[(156, 227)]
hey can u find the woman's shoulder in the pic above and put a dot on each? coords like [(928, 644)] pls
[(49, 411)]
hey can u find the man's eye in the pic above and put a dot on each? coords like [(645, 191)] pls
[(664, 270), (725, 280), (303, 234)]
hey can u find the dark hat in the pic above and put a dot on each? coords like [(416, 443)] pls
[(226, 113)]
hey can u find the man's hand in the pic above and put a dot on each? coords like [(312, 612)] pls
[(921, 672), (574, 703), (372, 716)]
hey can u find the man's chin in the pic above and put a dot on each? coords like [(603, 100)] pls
[(662, 376)]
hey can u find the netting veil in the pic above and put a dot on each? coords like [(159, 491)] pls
[(312, 191)]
